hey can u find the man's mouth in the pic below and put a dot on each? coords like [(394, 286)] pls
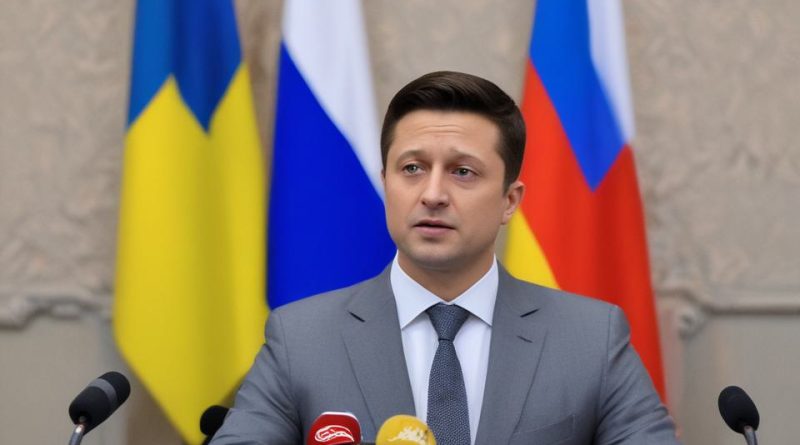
[(433, 224)]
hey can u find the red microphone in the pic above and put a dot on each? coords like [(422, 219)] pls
[(334, 428)]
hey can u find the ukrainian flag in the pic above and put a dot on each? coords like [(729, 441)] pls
[(189, 308)]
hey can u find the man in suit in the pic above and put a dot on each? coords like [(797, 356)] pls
[(444, 333)]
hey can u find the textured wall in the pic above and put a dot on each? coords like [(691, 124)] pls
[(716, 97), (64, 69), (717, 101)]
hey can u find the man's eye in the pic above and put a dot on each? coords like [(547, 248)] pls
[(462, 171), (411, 168)]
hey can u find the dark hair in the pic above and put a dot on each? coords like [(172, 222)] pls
[(453, 91)]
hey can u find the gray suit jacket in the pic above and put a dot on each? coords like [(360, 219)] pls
[(561, 371)]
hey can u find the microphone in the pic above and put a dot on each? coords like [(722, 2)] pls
[(403, 429), (739, 412), (335, 428), (212, 420), (96, 402)]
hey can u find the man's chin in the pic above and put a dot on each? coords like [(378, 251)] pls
[(432, 261)]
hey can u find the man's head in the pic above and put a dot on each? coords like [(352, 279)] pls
[(450, 171), (453, 91)]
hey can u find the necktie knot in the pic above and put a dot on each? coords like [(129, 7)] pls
[(447, 319)]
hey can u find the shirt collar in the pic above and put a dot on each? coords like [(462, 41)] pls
[(412, 299)]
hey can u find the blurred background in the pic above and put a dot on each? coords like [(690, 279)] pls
[(716, 91)]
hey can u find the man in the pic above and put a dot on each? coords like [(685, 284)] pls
[(444, 333)]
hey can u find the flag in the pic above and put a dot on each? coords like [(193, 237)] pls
[(580, 226), (189, 308), (326, 220)]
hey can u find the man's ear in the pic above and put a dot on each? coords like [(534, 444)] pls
[(513, 196)]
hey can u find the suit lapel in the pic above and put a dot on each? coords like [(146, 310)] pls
[(516, 347), (375, 348)]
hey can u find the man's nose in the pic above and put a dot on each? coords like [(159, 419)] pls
[(435, 193)]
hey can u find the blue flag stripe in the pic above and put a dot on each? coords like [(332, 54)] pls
[(196, 41), (561, 55), (326, 222)]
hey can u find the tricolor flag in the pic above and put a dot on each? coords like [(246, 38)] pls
[(327, 226), (580, 227), (189, 308)]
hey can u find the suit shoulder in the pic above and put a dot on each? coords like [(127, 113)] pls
[(561, 304)]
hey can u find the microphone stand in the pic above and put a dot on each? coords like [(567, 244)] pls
[(750, 435), (77, 434)]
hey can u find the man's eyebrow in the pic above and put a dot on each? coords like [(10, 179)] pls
[(413, 153), (462, 156)]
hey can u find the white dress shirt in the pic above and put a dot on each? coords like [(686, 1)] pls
[(420, 340)]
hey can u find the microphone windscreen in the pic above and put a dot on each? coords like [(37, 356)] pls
[(737, 409), (212, 419), (403, 429), (334, 428), (97, 401)]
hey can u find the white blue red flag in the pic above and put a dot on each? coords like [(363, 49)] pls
[(326, 220)]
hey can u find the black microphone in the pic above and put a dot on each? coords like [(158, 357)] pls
[(96, 402), (739, 412), (211, 420)]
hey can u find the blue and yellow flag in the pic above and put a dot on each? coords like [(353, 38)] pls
[(189, 308)]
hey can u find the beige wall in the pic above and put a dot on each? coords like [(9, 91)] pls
[(717, 98)]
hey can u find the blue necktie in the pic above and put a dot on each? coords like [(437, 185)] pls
[(448, 414)]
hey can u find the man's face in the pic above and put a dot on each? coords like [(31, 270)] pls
[(445, 200)]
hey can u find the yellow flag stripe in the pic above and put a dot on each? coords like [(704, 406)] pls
[(524, 257), (190, 307), (234, 125)]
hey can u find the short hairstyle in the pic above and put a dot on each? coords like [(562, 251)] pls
[(454, 91)]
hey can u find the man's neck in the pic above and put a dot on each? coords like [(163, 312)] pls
[(446, 284)]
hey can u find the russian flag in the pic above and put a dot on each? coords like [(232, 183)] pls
[(327, 227), (580, 226)]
